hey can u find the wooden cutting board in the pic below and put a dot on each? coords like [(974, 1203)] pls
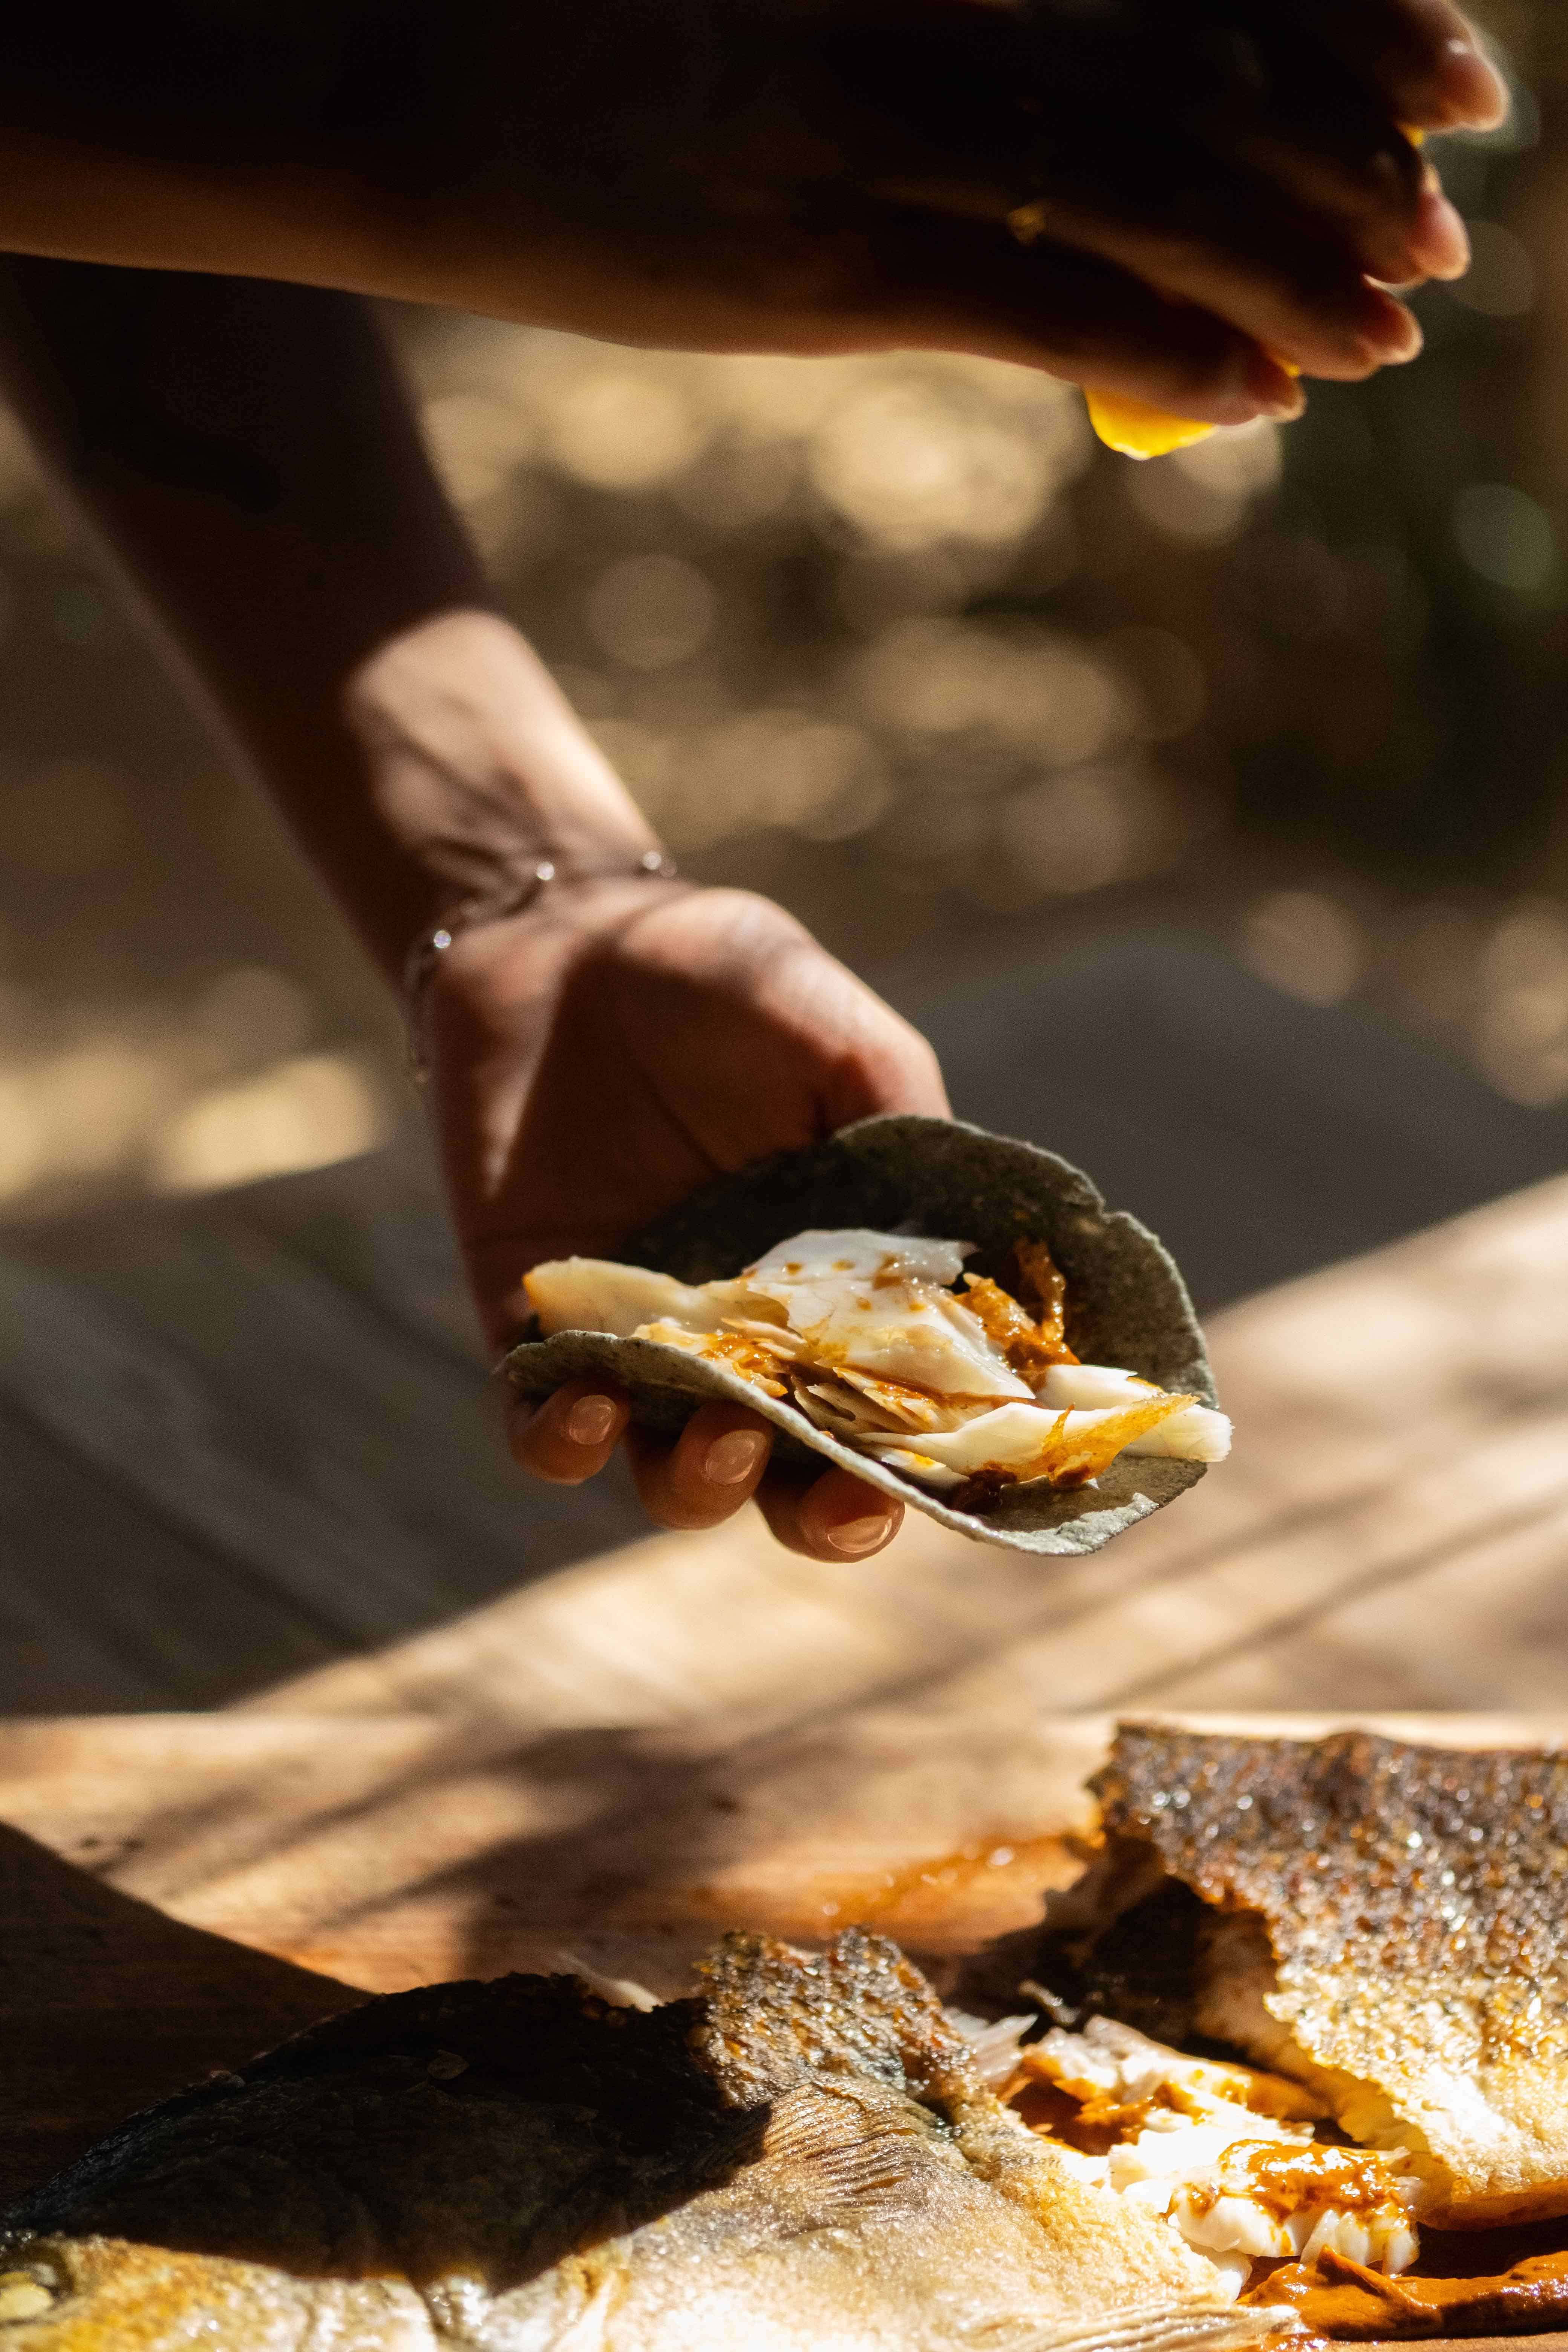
[(621, 1759), (178, 1892)]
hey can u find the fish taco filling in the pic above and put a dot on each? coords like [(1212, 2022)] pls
[(883, 1340)]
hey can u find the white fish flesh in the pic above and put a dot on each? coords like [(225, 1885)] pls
[(863, 1332), (1198, 1434), (1227, 2153), (857, 1250), (596, 1294)]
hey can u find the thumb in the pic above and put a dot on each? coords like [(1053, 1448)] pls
[(884, 1066)]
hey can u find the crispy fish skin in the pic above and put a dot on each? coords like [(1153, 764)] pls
[(774, 2016), (800, 2156), (1394, 1930)]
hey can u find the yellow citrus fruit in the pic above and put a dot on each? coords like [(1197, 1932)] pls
[(1137, 429)]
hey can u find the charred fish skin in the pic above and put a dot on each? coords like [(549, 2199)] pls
[(1388, 1920), (800, 2156), (1144, 1966), (774, 2016)]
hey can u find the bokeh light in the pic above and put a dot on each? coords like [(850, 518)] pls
[(1505, 536), (476, 442), (83, 1113), (1501, 283), (1078, 831), (910, 468), (1206, 493), (1048, 696), (1521, 1023), (624, 432), (1306, 943), (649, 610), (307, 1113)]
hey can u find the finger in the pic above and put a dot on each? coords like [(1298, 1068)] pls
[(1224, 248), (1324, 146), (1421, 56), (1368, 186), (1315, 119), (883, 1064), (1289, 182), (833, 1516), (571, 1435), (889, 1075), (947, 284), (712, 1469), (1297, 204)]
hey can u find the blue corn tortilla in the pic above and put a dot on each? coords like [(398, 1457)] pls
[(1126, 1303)]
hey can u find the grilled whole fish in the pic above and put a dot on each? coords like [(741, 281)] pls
[(1386, 1923), (801, 2156)]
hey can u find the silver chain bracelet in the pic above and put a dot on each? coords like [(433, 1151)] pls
[(420, 964)]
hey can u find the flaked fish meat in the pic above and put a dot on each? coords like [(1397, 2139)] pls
[(956, 1318), (1384, 1923)]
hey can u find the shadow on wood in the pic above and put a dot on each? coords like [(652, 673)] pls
[(109, 2005)]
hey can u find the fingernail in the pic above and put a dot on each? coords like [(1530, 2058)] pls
[(1274, 388), (1395, 338), (853, 1536), (1477, 89), (733, 1458), (1410, 342), (590, 1421), (1438, 238)]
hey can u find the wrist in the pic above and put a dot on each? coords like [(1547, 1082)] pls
[(478, 774), (468, 941)]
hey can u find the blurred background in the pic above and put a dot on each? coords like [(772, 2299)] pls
[(893, 640)]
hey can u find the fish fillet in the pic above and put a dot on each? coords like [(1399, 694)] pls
[(803, 2156), (1385, 1922)]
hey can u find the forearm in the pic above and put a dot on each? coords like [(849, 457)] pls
[(247, 453), (67, 196), (183, 136), (1127, 197), (404, 148)]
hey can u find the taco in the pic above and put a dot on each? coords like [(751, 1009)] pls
[(957, 1319)]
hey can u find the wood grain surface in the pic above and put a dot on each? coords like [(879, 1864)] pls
[(182, 1890), (1389, 1533), (243, 1446), (622, 1756)]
